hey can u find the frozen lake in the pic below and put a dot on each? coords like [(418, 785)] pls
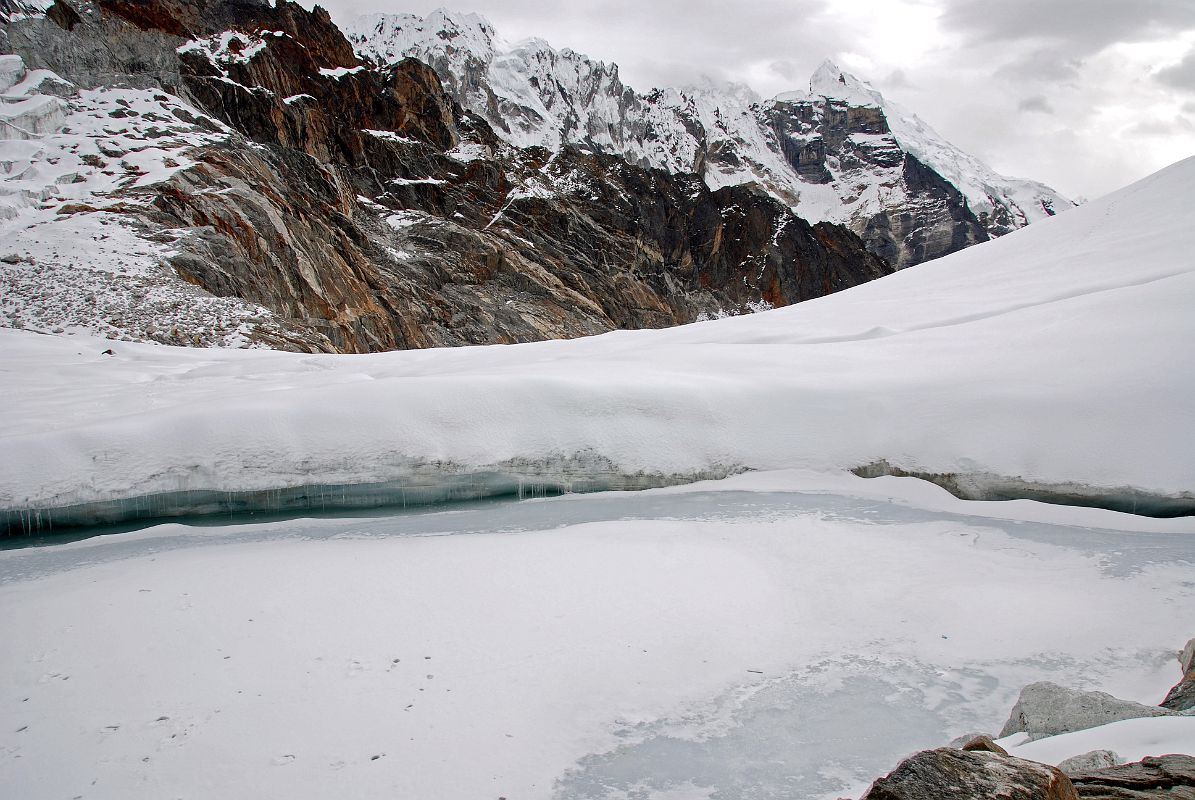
[(729, 640)]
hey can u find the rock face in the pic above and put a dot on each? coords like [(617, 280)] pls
[(1169, 777), (1182, 696), (356, 207), (1047, 709), (962, 775), (839, 152)]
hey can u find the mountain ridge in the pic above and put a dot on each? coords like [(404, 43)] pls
[(533, 94), (266, 187)]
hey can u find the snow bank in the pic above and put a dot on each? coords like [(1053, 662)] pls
[(1131, 739), (1057, 354)]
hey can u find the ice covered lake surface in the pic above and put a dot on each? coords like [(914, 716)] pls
[(770, 635)]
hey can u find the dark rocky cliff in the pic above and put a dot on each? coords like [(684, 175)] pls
[(932, 218), (368, 212)]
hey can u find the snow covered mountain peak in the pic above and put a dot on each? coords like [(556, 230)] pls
[(446, 30), (1001, 203), (709, 86), (830, 81)]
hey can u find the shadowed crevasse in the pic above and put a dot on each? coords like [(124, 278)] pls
[(989, 486), (424, 484)]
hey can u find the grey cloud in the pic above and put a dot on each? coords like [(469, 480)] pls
[(1037, 103), (1163, 127), (716, 37), (1041, 65), (1079, 26), (897, 79), (1189, 107), (786, 69), (1181, 75)]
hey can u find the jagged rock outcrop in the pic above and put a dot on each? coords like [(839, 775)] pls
[(360, 208), (839, 152), (1182, 696), (963, 775), (917, 215), (1168, 777), (1047, 709)]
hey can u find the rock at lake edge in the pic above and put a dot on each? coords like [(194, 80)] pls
[(1095, 759), (984, 744), (963, 775), (1047, 709), (1169, 776), (1186, 658), (1181, 696)]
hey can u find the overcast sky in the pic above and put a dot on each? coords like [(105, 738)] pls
[(1085, 95)]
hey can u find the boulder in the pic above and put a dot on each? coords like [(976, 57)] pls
[(959, 741), (983, 744), (1171, 777), (1182, 696), (1047, 709), (963, 775), (1095, 759)]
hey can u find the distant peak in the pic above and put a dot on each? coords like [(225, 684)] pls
[(706, 84), (383, 34), (829, 67), (829, 80), (445, 18)]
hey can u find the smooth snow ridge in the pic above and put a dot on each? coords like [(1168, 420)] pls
[(1057, 354)]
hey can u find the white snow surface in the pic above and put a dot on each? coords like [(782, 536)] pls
[(533, 94), (1058, 353), (772, 636), (1131, 739)]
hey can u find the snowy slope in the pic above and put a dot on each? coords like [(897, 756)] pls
[(533, 94), (1056, 354)]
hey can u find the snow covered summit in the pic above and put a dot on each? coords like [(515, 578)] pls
[(1003, 203)]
